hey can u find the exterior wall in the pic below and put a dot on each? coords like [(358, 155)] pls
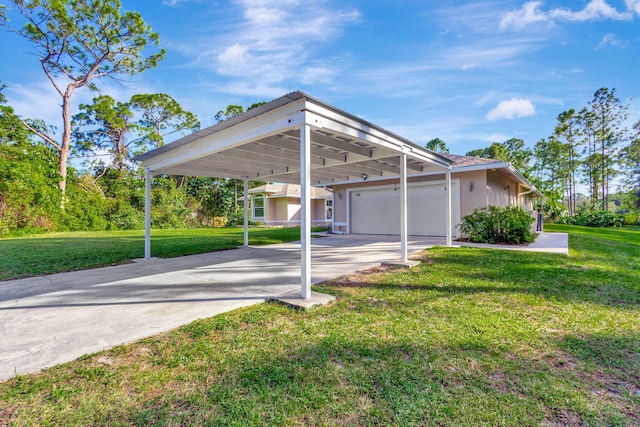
[(478, 189), (282, 211), (473, 190), (293, 209), (469, 200), (271, 210), (501, 190)]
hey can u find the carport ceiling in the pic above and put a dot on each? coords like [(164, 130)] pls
[(264, 144)]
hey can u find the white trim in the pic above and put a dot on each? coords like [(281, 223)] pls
[(305, 210), (253, 207), (228, 138), (147, 213), (245, 219), (326, 210), (447, 222), (403, 208)]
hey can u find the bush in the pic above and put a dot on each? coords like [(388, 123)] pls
[(589, 218), (511, 225)]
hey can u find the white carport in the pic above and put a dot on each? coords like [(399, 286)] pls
[(297, 139)]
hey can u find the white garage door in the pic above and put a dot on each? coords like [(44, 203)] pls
[(377, 210)]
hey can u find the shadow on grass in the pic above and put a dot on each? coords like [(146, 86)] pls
[(355, 381), (469, 271)]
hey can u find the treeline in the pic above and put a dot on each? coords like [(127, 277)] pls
[(590, 148), (108, 193), (79, 45)]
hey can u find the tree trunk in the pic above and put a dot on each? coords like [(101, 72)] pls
[(603, 162), (65, 144)]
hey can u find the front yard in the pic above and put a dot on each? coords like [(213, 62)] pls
[(471, 337), (57, 252)]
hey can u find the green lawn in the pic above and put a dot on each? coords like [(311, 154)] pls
[(56, 252), (473, 337)]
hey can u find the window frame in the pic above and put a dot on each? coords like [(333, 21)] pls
[(254, 208)]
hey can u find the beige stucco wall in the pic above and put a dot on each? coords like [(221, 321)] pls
[(501, 191), (473, 190), (286, 211)]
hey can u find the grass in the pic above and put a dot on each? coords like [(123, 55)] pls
[(57, 252), (472, 337)]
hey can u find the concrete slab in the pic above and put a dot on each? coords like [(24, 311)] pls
[(57, 318), (52, 319), (399, 263), (556, 243), (294, 300)]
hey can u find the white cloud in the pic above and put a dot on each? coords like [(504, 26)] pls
[(246, 88), (274, 41), (610, 40), (172, 2), (511, 109), (496, 137), (531, 13), (317, 74), (633, 6)]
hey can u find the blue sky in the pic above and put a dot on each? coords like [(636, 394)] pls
[(468, 72)]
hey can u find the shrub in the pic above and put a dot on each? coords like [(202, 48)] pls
[(511, 225), (589, 218)]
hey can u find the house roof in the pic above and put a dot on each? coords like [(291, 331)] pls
[(265, 143), (289, 190), (468, 161)]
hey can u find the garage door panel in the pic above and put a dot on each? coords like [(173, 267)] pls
[(377, 211), (373, 210)]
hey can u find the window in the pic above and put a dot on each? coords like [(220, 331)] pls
[(258, 207), (328, 209)]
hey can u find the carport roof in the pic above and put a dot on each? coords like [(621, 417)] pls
[(264, 144)]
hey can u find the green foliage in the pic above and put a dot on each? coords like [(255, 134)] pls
[(76, 43), (171, 210), (161, 115), (84, 208), (551, 204), (510, 225), (82, 39), (104, 125), (591, 217), (29, 197), (512, 151), (436, 144)]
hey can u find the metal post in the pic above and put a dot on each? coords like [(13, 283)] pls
[(305, 211), (246, 213), (448, 207), (147, 213), (403, 208)]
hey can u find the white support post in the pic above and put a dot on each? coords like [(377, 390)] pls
[(305, 211), (448, 208), (246, 213), (403, 208), (147, 213)]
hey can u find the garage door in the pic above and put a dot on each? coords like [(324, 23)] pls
[(377, 210)]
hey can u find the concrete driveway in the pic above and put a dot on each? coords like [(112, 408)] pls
[(52, 319)]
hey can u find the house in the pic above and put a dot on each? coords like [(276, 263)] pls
[(371, 206), (279, 205)]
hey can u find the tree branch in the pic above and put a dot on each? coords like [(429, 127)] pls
[(46, 138)]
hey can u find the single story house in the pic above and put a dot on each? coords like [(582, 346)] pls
[(279, 205)]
